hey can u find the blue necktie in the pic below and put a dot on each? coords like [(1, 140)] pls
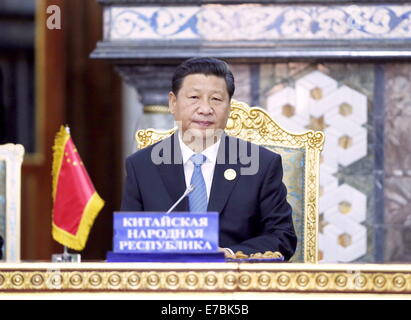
[(197, 199)]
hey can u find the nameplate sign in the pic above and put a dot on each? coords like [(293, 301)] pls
[(159, 232)]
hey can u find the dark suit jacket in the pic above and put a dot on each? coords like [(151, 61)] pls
[(254, 213), (1, 247)]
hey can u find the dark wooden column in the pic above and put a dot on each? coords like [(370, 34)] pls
[(85, 94), (93, 100), (49, 112)]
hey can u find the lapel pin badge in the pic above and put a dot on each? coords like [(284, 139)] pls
[(230, 174)]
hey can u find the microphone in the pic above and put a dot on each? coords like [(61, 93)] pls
[(189, 189)]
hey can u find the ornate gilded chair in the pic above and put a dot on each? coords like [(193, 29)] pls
[(300, 156), (11, 158)]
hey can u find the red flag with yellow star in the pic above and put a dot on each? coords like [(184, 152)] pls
[(76, 202)]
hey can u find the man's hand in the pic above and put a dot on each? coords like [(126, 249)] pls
[(227, 252)]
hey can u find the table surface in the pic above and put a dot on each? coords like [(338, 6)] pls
[(204, 280)]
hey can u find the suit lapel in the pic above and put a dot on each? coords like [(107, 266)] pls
[(222, 187), (172, 173)]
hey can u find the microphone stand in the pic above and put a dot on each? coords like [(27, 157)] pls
[(189, 189)]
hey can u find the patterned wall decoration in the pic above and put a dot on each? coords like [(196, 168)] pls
[(258, 22), (314, 99)]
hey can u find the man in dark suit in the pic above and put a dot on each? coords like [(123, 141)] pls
[(241, 181)]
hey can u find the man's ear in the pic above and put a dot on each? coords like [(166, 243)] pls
[(172, 101)]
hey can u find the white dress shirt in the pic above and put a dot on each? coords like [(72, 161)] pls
[(207, 168)]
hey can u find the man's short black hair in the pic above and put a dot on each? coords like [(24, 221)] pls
[(207, 66)]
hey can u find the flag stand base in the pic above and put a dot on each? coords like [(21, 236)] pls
[(70, 257), (66, 257)]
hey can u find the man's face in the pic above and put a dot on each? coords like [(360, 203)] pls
[(202, 106)]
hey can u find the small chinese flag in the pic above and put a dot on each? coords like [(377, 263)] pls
[(76, 202)]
